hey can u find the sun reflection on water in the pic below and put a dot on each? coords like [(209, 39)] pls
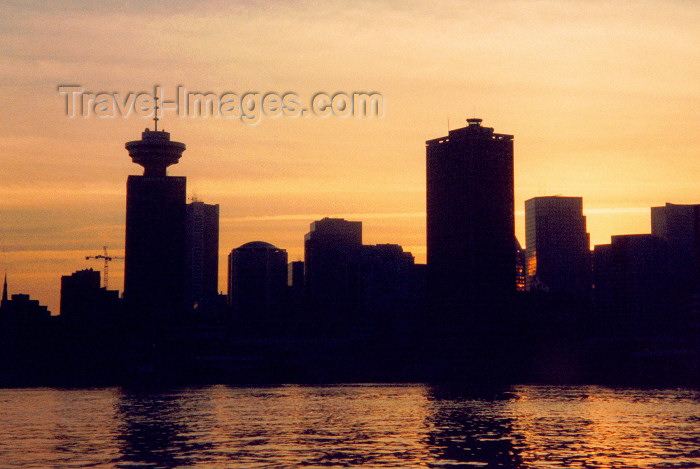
[(409, 426)]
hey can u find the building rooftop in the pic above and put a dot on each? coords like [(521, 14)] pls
[(258, 245)]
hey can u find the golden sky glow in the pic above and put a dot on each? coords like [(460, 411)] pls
[(603, 98)]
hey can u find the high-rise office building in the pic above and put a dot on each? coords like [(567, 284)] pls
[(387, 283), (257, 283), (470, 224), (295, 275), (202, 254), (520, 274), (557, 253), (679, 227), (295, 288), (83, 300), (331, 263), (630, 289), (155, 261)]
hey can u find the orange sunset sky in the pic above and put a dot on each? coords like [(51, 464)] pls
[(603, 98)]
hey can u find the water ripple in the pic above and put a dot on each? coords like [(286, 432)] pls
[(377, 426)]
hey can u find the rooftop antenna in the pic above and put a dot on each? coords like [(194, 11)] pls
[(155, 117)]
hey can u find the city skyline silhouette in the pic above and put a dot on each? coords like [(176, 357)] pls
[(369, 312), (602, 99), (344, 234), (223, 250)]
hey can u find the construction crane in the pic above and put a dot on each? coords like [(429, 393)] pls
[(106, 258)]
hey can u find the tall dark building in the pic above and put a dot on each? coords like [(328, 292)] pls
[(331, 262), (679, 227), (295, 288), (202, 254), (257, 280), (557, 253), (630, 294), (155, 268), (388, 287), (470, 225), (295, 275), (83, 300), (520, 274)]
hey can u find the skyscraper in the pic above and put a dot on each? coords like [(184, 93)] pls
[(295, 275), (331, 262), (295, 288), (679, 227), (470, 225), (557, 253), (387, 283), (630, 292), (155, 262), (83, 300), (202, 254), (520, 274), (257, 280)]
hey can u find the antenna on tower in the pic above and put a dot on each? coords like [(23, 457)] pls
[(155, 117)]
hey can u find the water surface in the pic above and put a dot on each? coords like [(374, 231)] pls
[(391, 426)]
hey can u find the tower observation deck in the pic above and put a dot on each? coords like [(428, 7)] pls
[(155, 152)]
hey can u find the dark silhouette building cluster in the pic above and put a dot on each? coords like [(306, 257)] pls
[(483, 308), (20, 307)]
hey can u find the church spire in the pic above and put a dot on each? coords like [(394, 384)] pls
[(4, 290)]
